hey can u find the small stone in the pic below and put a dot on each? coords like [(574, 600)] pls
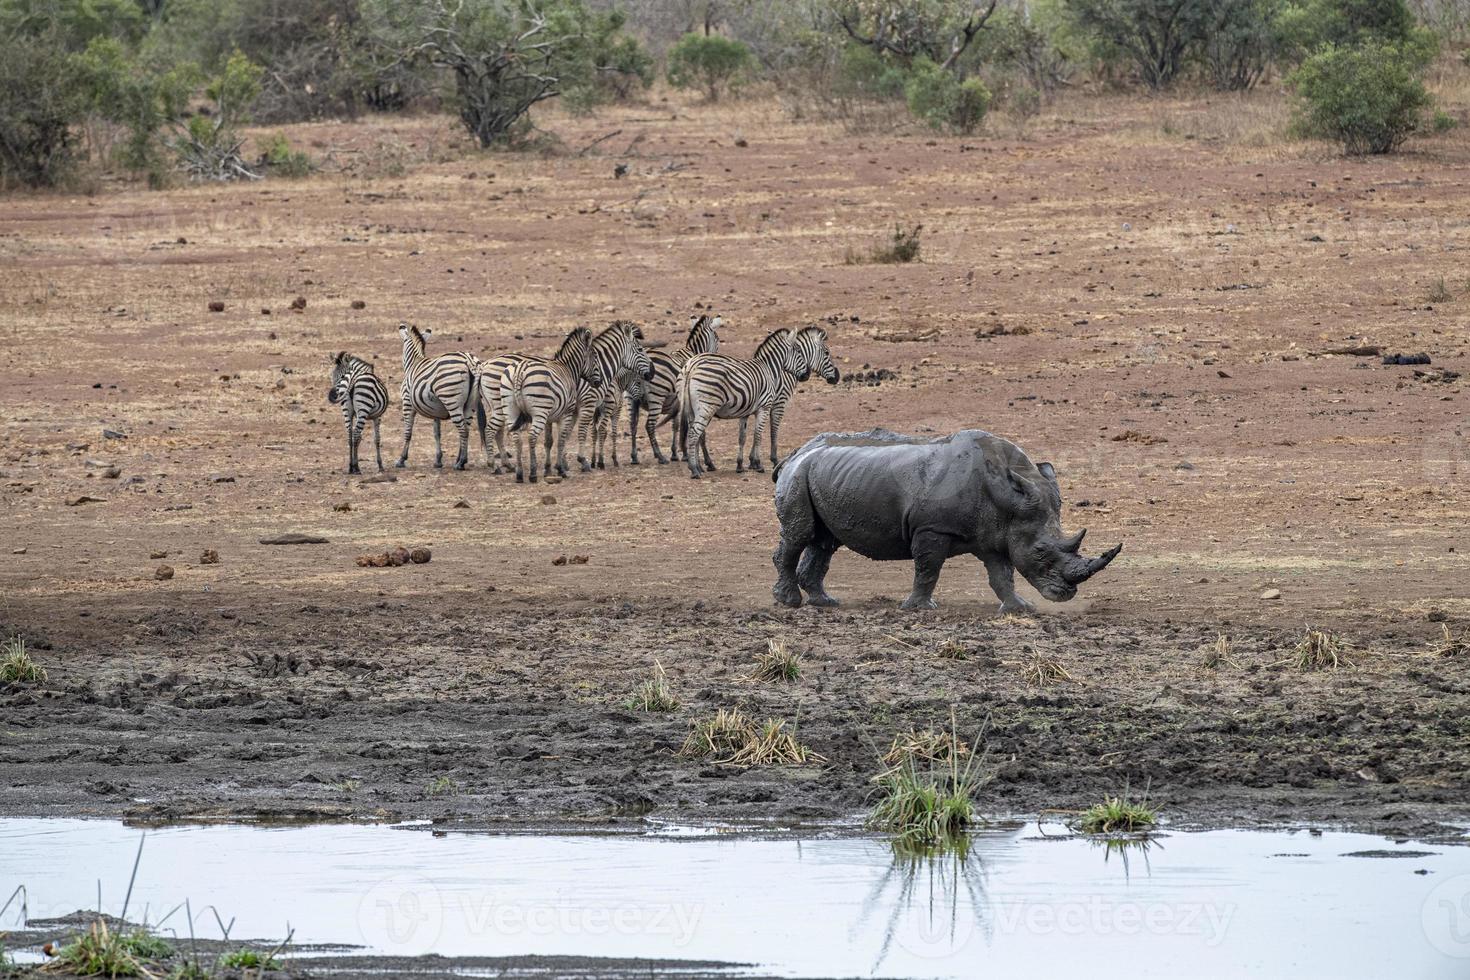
[(112, 473), (112, 434), (83, 499), (156, 555), (295, 538), (358, 304), (559, 560), (581, 559), (299, 303), (1271, 594), (343, 507), (461, 505), (216, 306), (420, 556), (222, 478), (163, 573), (17, 551), (210, 557), (548, 499)]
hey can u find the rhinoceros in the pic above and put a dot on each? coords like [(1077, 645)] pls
[(892, 497)]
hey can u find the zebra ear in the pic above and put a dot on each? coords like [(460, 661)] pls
[(341, 356), (427, 332)]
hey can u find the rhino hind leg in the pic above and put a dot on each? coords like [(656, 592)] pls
[(811, 573), (929, 551), (785, 590)]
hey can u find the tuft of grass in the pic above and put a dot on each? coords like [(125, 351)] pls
[(145, 945), (1319, 650), (16, 664), (1438, 292), (99, 952), (903, 246), (730, 736), (928, 807), (1450, 645), (442, 786), (952, 650), (1041, 670), (929, 745), (1219, 654), (347, 785), (249, 959), (777, 662), (654, 694), (1118, 814)]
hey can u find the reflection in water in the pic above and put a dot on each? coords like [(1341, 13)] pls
[(920, 890), (1126, 846)]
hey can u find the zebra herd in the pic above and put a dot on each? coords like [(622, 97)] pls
[(587, 382)]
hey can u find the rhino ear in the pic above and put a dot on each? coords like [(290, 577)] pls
[(1006, 488), (1048, 471)]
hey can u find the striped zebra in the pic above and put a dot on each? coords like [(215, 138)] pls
[(363, 397), (622, 361), (715, 386), (492, 407), (443, 387), (812, 355), (658, 397), (539, 392)]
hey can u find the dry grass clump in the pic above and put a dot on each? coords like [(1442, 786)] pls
[(1450, 645), (927, 745), (1118, 814), (1219, 654), (777, 662), (100, 952), (730, 736), (1041, 670), (952, 650), (1319, 650), (16, 664), (654, 694)]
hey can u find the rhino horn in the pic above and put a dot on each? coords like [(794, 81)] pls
[(1074, 543), (1081, 569)]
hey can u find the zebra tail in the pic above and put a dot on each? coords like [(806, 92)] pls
[(523, 419)]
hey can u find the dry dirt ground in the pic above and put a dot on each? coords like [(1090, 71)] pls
[(1130, 290)]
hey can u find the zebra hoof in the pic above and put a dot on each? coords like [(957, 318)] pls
[(400, 464), (758, 468), (521, 478)]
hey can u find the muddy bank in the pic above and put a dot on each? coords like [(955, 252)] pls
[(497, 711)]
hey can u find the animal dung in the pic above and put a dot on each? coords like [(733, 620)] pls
[(358, 304), (1420, 358), (210, 557), (397, 557), (298, 304), (343, 507), (216, 306), (163, 573)]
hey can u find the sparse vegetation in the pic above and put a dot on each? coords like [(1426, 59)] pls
[(442, 786), (1450, 645), (249, 959), (99, 952), (16, 663), (952, 649), (1438, 292), (654, 694), (777, 662), (903, 245), (1039, 670), (1318, 650), (710, 63), (926, 793), (279, 158), (1117, 814), (1220, 654), (730, 736)]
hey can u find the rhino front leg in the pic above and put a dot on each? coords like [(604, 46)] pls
[(1003, 583), (811, 574), (929, 551)]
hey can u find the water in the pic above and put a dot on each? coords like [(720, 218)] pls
[(1210, 904)]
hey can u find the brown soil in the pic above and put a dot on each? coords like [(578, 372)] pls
[(1154, 314)]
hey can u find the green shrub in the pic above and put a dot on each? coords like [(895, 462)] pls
[(708, 62), (41, 103), (279, 158), (943, 101), (1306, 25), (1370, 97), (865, 73)]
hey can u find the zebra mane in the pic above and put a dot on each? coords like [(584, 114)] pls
[(700, 323), (578, 337), (419, 339), (819, 331), (620, 327), (782, 336)]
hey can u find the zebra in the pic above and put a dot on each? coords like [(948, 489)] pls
[(622, 361), (718, 386), (363, 397), (658, 397), (541, 391), (813, 355), (492, 407), (444, 387)]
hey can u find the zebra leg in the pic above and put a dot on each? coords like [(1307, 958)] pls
[(463, 459), (740, 448), (709, 463), (755, 443), (378, 443), (351, 451), (561, 446), (408, 414), (537, 428), (778, 412), (616, 409), (354, 438), (650, 426), (585, 415), (634, 404), (438, 447)]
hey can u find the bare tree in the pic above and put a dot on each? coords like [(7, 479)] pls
[(939, 30)]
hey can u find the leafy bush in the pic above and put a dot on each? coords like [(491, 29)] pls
[(865, 73), (708, 62), (41, 101), (1156, 35), (1241, 41), (1306, 25), (1370, 97), (943, 101), (208, 146), (279, 158)]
